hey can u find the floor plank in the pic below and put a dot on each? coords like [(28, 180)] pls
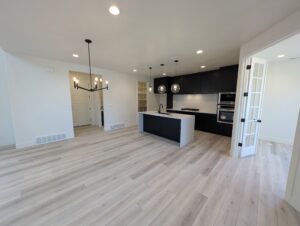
[(127, 178)]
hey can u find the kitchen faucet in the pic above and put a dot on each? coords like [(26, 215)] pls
[(162, 106)]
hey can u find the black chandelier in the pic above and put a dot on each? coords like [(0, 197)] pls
[(76, 81)]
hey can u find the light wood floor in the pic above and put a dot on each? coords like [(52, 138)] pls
[(125, 178)]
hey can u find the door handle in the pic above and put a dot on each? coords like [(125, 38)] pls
[(259, 121)]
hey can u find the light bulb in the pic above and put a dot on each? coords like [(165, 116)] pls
[(150, 89), (162, 89), (74, 79), (100, 80), (77, 81), (114, 10), (96, 79), (175, 88), (95, 83), (106, 82)]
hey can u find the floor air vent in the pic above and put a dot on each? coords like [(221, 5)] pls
[(117, 126), (50, 139)]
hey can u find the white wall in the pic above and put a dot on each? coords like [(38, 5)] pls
[(293, 184), (281, 102), (41, 102), (6, 127), (206, 103), (162, 100), (153, 100), (40, 98)]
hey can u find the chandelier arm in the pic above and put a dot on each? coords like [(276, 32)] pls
[(80, 87), (106, 87)]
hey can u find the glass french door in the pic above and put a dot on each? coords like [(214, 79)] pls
[(253, 106)]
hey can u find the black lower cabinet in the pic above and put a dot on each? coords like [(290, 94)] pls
[(162, 126), (208, 123), (152, 124)]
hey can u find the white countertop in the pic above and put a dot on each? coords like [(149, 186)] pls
[(169, 115)]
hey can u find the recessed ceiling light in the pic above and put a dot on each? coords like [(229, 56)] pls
[(281, 56), (203, 66), (75, 55), (134, 70), (164, 74), (114, 10), (199, 51)]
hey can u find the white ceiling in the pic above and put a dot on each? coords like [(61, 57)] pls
[(289, 47), (146, 33)]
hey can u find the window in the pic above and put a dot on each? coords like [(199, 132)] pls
[(142, 96)]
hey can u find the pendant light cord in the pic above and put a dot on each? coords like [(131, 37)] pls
[(150, 68), (176, 67), (90, 65)]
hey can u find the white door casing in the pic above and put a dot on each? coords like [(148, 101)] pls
[(253, 105), (81, 105)]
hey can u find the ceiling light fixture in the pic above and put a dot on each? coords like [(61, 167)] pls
[(175, 87), (75, 55), (76, 81), (150, 84), (162, 69), (114, 10), (161, 89), (203, 66), (281, 56), (134, 70), (199, 51)]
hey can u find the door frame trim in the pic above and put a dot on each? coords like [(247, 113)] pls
[(287, 28)]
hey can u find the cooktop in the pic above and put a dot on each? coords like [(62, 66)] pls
[(189, 109)]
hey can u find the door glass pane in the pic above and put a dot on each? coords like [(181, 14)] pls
[(258, 70), (256, 85), (255, 99), (250, 140), (251, 127), (253, 113)]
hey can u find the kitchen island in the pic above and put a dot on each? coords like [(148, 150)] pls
[(176, 127)]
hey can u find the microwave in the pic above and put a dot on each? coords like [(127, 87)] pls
[(226, 98)]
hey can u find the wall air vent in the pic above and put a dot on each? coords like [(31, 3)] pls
[(117, 126), (51, 138)]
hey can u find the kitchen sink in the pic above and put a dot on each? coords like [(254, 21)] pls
[(163, 113)]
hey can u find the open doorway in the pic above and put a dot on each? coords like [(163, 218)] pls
[(87, 107), (272, 97), (271, 103)]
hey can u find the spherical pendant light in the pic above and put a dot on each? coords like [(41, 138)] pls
[(175, 88), (161, 89), (150, 82)]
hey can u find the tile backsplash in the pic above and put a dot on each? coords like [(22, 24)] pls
[(206, 103)]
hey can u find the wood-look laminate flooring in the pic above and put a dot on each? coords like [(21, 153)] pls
[(125, 178)]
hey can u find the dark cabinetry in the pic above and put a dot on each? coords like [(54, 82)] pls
[(162, 126), (208, 123), (221, 80)]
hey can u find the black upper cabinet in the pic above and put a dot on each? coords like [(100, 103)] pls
[(209, 81), (221, 80), (229, 78)]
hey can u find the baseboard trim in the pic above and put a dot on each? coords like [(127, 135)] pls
[(7, 147), (277, 140)]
